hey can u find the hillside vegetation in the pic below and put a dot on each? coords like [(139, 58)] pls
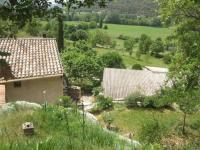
[(55, 128)]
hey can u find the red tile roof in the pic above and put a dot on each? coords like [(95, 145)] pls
[(32, 57)]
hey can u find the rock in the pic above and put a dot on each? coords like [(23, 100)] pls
[(13, 106)]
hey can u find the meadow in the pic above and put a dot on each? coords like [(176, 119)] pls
[(114, 31), (55, 128), (133, 120)]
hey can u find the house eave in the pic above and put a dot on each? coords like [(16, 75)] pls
[(32, 78)]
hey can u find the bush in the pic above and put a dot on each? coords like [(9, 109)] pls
[(113, 44), (79, 35), (96, 91), (155, 101), (92, 25), (104, 103), (105, 27), (112, 60), (133, 99), (167, 59), (71, 28), (137, 67), (123, 37), (83, 26), (65, 101), (100, 37), (152, 131)]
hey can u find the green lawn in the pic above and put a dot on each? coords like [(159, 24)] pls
[(131, 120), (136, 31), (115, 30), (145, 60)]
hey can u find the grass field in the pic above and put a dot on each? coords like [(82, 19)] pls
[(115, 30), (131, 120), (56, 128)]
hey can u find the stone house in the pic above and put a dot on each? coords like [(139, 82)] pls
[(34, 70)]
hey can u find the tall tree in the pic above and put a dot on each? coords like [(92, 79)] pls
[(185, 69)]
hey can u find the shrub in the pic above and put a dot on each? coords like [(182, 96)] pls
[(71, 28), (137, 67), (152, 131), (83, 26), (133, 99), (65, 101), (105, 27), (100, 37), (79, 35), (167, 59), (112, 60), (155, 101), (107, 118), (104, 102), (96, 91), (123, 37), (113, 44), (92, 25)]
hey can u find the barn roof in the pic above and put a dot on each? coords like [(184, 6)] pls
[(119, 83), (31, 57)]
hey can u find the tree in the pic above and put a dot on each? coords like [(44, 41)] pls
[(156, 47), (112, 60), (129, 44), (100, 37), (33, 27), (60, 37), (81, 63), (185, 69), (15, 9), (144, 43)]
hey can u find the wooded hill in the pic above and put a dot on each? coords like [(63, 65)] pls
[(145, 8)]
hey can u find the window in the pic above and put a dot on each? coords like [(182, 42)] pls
[(17, 84)]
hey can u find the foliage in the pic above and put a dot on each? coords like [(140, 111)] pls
[(79, 35), (112, 60), (60, 37), (31, 8), (105, 27), (97, 90), (152, 131), (65, 101), (129, 45), (184, 71), (133, 99), (57, 128), (113, 44), (108, 119), (138, 54), (51, 28), (104, 103), (123, 37), (83, 26), (33, 27), (137, 67), (7, 28), (144, 43), (81, 64), (100, 37), (167, 58), (157, 47), (92, 25)]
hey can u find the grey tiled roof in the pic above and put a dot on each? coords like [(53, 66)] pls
[(119, 83), (32, 57)]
